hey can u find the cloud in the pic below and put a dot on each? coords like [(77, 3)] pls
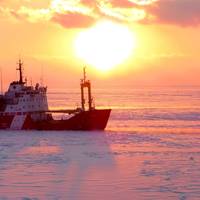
[(83, 13), (34, 15), (73, 20), (27, 14), (122, 10), (178, 12), (72, 13), (121, 3)]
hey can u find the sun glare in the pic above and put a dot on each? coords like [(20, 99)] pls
[(105, 45)]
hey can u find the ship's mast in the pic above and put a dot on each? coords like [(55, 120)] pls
[(84, 74), (20, 64), (1, 81), (86, 84)]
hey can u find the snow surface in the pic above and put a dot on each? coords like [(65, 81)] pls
[(150, 151)]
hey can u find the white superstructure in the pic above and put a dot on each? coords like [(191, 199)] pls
[(23, 99)]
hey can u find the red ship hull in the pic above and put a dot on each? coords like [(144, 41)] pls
[(85, 120)]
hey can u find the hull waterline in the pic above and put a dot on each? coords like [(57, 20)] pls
[(85, 120)]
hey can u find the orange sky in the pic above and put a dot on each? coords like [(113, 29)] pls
[(43, 33)]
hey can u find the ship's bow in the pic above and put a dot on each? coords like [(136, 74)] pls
[(98, 119), (90, 120)]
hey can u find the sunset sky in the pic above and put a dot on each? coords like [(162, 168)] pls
[(159, 40)]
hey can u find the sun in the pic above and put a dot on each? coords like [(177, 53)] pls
[(105, 45)]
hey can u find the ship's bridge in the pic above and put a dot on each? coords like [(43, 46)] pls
[(14, 88)]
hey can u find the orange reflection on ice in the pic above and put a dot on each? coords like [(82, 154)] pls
[(43, 150)]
